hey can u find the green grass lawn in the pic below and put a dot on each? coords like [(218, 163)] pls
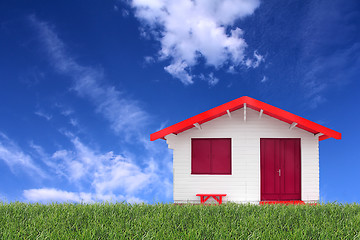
[(168, 221)]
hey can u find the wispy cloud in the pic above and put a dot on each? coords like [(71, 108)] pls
[(15, 158), (74, 122), (124, 114), (108, 173), (2, 198), (32, 76), (322, 68), (264, 79), (43, 115), (192, 30), (329, 71)]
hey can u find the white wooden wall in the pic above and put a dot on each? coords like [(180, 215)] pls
[(243, 185)]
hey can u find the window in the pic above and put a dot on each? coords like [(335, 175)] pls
[(211, 156)]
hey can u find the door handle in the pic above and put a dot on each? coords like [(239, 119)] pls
[(279, 171)]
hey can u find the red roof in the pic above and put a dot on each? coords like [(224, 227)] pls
[(253, 104)]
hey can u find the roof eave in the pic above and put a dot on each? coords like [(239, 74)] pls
[(254, 104)]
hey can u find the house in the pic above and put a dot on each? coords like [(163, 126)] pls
[(247, 149)]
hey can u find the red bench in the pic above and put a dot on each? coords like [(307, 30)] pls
[(205, 197)]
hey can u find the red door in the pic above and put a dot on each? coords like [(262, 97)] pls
[(280, 164)]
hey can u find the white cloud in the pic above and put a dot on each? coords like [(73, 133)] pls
[(132, 199), (149, 59), (211, 79), (192, 29), (179, 70), (121, 174), (254, 63), (51, 194), (106, 172), (48, 195), (15, 158), (123, 113), (109, 172)]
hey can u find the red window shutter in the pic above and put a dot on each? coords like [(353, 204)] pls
[(200, 156), (211, 156), (221, 156)]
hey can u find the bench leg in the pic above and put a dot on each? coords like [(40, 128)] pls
[(206, 198), (219, 199), (203, 199)]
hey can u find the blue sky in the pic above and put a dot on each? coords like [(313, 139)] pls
[(84, 83)]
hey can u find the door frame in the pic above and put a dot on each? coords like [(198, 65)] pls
[(300, 152)]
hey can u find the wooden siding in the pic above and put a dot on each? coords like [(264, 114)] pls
[(244, 183)]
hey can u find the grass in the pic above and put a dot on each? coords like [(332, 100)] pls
[(167, 221)]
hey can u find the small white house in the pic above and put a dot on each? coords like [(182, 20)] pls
[(247, 149)]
